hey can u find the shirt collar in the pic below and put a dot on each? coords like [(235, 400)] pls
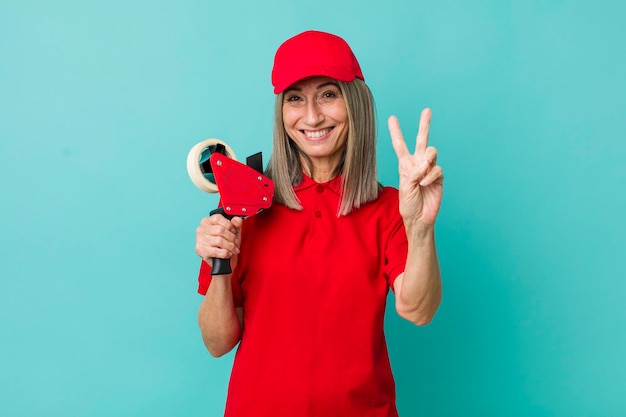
[(307, 182)]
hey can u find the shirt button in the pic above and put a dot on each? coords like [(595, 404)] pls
[(320, 188), (318, 214)]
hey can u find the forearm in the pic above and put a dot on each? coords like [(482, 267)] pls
[(419, 290), (218, 319)]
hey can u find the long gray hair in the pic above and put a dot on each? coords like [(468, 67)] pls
[(358, 162)]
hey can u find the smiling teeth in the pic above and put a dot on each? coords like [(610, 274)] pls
[(316, 134)]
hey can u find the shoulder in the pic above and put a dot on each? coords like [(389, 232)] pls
[(385, 208), (388, 192), (387, 197), (278, 216)]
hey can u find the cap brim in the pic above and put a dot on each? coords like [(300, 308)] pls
[(335, 73)]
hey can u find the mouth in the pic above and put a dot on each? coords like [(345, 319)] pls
[(316, 134)]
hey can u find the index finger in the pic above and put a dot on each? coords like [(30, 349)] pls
[(397, 141), (422, 134), (218, 219)]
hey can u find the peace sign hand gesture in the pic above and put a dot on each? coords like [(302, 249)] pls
[(421, 179)]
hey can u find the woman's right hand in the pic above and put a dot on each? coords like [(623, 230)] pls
[(218, 237)]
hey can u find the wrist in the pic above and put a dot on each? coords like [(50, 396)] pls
[(417, 231)]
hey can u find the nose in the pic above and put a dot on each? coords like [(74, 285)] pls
[(313, 114)]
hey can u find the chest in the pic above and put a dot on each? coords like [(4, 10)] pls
[(313, 251)]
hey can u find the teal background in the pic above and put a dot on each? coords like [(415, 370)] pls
[(100, 102)]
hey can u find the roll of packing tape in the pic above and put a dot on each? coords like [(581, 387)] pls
[(200, 154)]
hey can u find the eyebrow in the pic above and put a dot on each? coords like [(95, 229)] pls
[(319, 87)]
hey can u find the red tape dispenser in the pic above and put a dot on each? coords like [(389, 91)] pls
[(244, 190)]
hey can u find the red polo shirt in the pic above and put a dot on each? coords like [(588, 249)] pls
[(313, 287)]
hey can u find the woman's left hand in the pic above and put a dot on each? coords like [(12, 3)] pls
[(421, 179)]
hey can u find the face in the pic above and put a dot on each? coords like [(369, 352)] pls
[(316, 119)]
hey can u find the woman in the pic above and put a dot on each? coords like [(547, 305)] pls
[(306, 298)]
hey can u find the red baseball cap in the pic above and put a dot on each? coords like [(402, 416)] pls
[(313, 53)]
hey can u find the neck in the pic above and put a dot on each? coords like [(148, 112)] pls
[(319, 173), (320, 170)]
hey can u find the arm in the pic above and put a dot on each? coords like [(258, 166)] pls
[(418, 289), (220, 321)]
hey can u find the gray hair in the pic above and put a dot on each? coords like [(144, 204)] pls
[(358, 162)]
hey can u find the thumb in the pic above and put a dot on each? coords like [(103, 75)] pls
[(237, 222)]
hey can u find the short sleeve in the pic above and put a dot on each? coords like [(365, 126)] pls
[(204, 280), (396, 250)]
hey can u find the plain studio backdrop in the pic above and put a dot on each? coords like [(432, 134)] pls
[(100, 101)]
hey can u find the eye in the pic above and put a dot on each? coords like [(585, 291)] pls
[(328, 97), (293, 98)]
